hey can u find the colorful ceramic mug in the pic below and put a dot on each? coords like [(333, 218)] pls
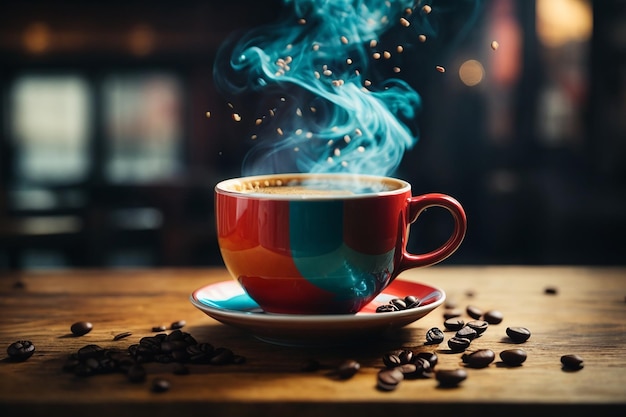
[(322, 243)]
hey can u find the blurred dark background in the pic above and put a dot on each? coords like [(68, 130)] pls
[(108, 158)]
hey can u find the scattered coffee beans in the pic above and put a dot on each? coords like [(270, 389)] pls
[(391, 359), (479, 359), (458, 344), (431, 357), (467, 332), (388, 379), (474, 312), (450, 377), (434, 336), (513, 357), (122, 335), (399, 304), (348, 369), (518, 334), (493, 317), (160, 385), (81, 328), (478, 325), (454, 323), (178, 325), (21, 350), (572, 362), (159, 329)]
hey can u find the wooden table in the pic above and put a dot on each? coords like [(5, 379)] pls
[(587, 316)]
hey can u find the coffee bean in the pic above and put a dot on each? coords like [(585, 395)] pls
[(136, 373), (572, 362), (405, 356), (454, 323), (178, 325), (467, 332), (423, 368), (222, 356), (518, 334), (493, 317), (474, 312), (21, 350), (122, 335), (347, 369), (450, 377), (160, 385), (391, 360), (479, 325), (479, 359), (513, 357), (399, 303), (388, 379), (551, 290), (412, 301), (431, 357), (452, 313), (458, 344), (434, 336), (81, 328), (158, 328), (386, 308), (90, 351)]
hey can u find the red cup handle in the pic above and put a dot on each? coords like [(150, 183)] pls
[(416, 206)]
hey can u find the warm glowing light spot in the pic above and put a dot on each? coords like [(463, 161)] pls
[(563, 21), (36, 38), (471, 72)]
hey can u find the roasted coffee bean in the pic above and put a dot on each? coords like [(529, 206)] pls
[(452, 313), (406, 356), (474, 312), (479, 325), (178, 325), (391, 360), (493, 317), (513, 357), (450, 377), (160, 385), (479, 359), (90, 351), (347, 369), (136, 373), (412, 301), (81, 328), (159, 328), (518, 334), (458, 344), (431, 357), (386, 308), (399, 303), (434, 336), (551, 290), (467, 333), (454, 323), (222, 356), (423, 369), (122, 335), (20, 350), (572, 362), (388, 379)]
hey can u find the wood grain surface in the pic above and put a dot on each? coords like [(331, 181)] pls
[(586, 316)]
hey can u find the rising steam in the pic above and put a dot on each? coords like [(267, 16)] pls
[(327, 96)]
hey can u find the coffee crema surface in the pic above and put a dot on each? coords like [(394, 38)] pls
[(314, 187)]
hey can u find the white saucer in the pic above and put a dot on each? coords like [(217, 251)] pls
[(228, 303)]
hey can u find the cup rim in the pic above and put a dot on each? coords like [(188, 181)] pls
[(228, 186)]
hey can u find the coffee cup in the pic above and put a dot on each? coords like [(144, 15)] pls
[(323, 243)]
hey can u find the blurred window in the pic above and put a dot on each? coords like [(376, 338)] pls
[(50, 128), (143, 126)]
